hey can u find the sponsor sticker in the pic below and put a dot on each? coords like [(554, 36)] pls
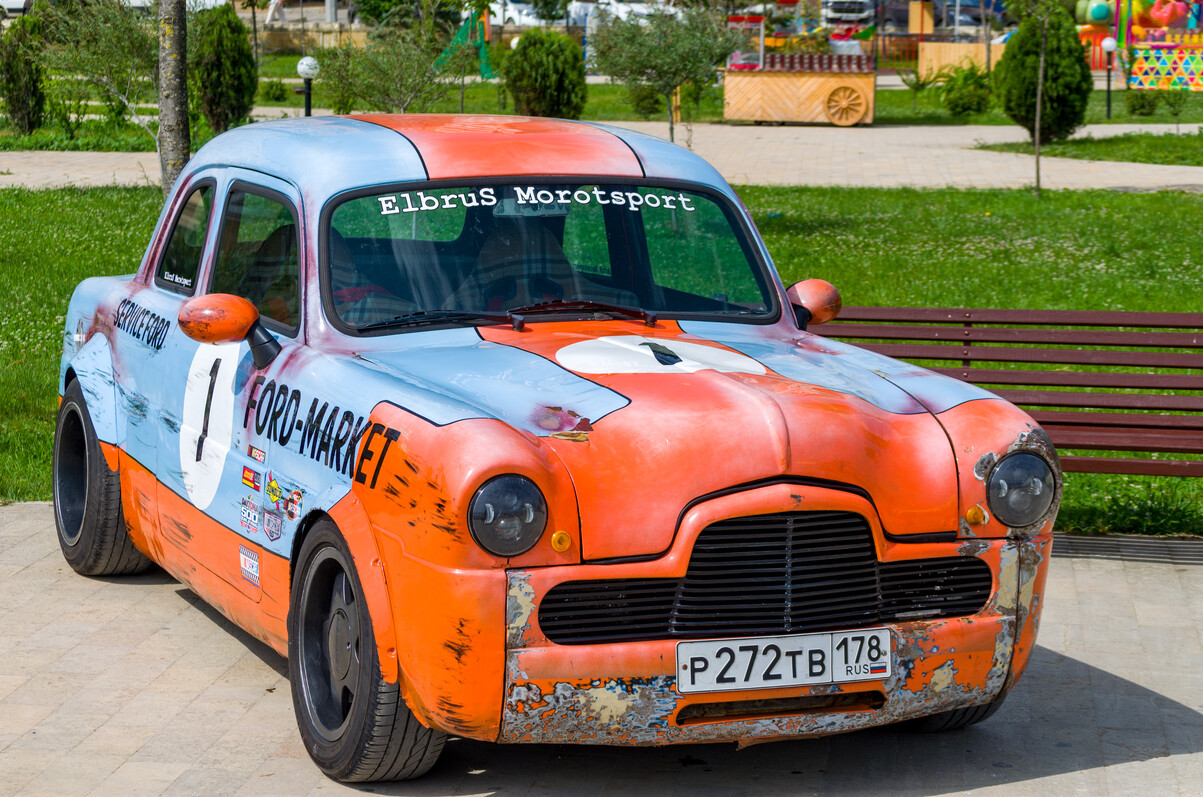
[(273, 525), (248, 560), (272, 491), (250, 514), (251, 478), (294, 505), (256, 454)]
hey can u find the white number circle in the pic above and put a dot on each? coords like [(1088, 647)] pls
[(208, 414)]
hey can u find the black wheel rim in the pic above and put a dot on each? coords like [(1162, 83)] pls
[(330, 643), (70, 475)]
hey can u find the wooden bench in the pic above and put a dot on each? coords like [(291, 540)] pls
[(1096, 381)]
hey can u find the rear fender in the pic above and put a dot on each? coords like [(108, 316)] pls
[(93, 367)]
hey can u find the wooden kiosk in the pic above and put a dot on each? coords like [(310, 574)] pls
[(779, 87)]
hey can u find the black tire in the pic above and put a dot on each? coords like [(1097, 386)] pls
[(953, 720), (87, 497), (355, 726)]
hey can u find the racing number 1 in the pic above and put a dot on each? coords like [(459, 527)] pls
[(200, 441)]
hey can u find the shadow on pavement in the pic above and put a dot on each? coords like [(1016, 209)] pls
[(1065, 717)]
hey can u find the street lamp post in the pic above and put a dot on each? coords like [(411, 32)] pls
[(307, 68), (1108, 45)]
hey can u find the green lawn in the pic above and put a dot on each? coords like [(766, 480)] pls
[(1071, 250), (1163, 148)]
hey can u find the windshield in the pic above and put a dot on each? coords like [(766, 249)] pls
[(434, 254)]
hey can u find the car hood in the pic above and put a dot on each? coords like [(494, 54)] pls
[(648, 420)]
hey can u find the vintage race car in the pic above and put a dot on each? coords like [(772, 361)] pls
[(507, 429)]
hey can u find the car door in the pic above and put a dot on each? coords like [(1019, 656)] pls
[(220, 504)]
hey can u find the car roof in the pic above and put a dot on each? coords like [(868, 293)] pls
[(325, 156)]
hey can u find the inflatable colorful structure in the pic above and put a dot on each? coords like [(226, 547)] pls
[(1164, 40)]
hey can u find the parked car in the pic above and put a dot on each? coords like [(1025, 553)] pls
[(12, 7), (507, 429)]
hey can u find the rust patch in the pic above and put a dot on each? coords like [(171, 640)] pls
[(984, 465), (460, 645)]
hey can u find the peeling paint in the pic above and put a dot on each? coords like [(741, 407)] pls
[(984, 465)]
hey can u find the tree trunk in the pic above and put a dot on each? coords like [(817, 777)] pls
[(255, 32), (174, 140), (668, 100), (1040, 97)]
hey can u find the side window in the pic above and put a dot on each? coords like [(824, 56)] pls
[(257, 257), (181, 257)]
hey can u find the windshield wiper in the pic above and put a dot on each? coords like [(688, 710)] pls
[(574, 305), (465, 317)]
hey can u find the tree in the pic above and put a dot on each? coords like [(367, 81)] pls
[(394, 72), (175, 141), (22, 78), (113, 47), (550, 10), (223, 67), (663, 50), (1044, 79), (545, 74)]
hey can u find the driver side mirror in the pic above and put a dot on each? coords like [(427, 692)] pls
[(224, 318), (815, 301)]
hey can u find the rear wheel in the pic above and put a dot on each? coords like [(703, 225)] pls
[(87, 497), (355, 725), (953, 720)]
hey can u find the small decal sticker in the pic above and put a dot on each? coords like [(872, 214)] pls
[(273, 525), (249, 562), (272, 490), (294, 505), (251, 478), (256, 454), (250, 514)]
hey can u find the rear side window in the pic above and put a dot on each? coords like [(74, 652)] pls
[(182, 255), (257, 256)]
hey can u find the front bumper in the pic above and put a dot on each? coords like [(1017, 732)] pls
[(625, 693)]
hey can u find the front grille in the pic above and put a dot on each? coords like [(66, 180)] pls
[(768, 574)]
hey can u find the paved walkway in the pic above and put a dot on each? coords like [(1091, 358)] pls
[(924, 157), (132, 687)]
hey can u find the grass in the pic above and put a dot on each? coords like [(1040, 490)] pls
[(92, 136), (1072, 250), (1162, 148)]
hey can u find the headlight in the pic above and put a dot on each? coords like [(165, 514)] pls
[(507, 515), (1020, 489)]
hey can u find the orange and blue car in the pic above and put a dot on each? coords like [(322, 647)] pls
[(507, 429)]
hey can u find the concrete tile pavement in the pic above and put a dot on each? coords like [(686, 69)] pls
[(131, 686), (880, 156)]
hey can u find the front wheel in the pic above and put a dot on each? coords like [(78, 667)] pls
[(954, 720), (355, 725)]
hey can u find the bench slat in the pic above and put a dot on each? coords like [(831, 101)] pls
[(1142, 467), (1104, 401), (1120, 420), (1064, 337), (1100, 318), (1130, 359), (1101, 439), (998, 376)]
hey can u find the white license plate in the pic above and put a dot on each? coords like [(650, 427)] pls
[(770, 662)]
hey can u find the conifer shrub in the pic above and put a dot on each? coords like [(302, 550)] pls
[(545, 75), (222, 66), (22, 77), (1067, 81)]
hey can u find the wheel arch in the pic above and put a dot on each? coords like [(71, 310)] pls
[(92, 367), (356, 530)]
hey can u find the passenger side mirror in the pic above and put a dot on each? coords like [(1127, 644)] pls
[(815, 301), (224, 318)]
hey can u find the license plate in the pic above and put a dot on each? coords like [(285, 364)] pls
[(770, 662)]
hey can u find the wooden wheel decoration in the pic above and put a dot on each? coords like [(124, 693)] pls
[(846, 106)]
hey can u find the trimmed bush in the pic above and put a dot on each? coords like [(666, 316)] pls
[(1141, 102), (1067, 81), (274, 91), (966, 90), (21, 74), (222, 64), (545, 75)]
